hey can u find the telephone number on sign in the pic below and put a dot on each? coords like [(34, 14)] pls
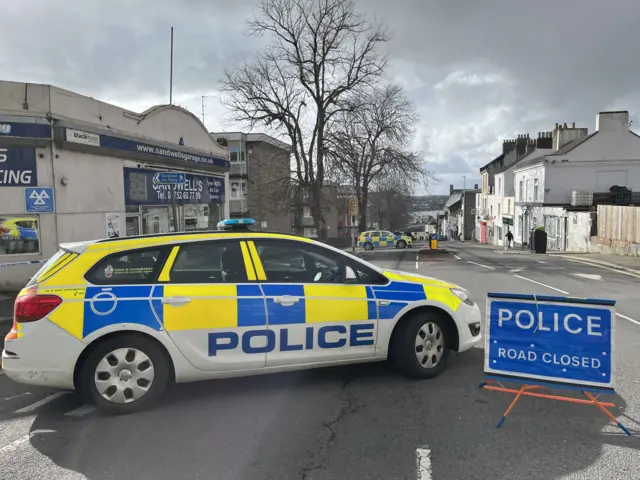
[(186, 195)]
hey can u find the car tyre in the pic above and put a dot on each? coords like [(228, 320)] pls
[(402, 244), (136, 359), (368, 246), (408, 354)]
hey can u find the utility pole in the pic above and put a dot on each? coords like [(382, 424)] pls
[(171, 71), (464, 198)]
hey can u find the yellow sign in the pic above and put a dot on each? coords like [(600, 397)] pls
[(352, 205)]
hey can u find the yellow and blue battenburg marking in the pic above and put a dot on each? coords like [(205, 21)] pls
[(106, 306), (399, 294)]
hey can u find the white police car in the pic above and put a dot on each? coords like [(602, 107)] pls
[(120, 319)]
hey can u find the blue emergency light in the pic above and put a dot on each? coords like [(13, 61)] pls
[(236, 224)]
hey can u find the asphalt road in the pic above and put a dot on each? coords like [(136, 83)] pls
[(361, 422)]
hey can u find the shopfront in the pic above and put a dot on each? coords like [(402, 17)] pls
[(198, 202), (87, 170)]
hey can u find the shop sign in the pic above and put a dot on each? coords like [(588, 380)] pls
[(18, 167), (84, 138), (140, 189), (132, 146), (25, 130)]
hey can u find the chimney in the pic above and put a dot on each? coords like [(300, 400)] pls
[(508, 145), (564, 135), (450, 189), (521, 144), (545, 140), (612, 121), (475, 186)]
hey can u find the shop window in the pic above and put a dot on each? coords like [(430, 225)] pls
[(19, 235), (131, 267)]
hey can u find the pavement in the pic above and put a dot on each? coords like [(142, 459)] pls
[(356, 422)]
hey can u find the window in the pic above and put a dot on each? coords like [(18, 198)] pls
[(535, 190), (306, 212), (367, 275), (209, 262), (295, 262), (521, 191), (131, 267), (19, 235), (386, 234), (499, 210), (375, 234)]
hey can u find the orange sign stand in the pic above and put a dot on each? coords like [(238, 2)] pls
[(525, 391)]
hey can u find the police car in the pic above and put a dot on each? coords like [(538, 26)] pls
[(120, 319), (380, 238)]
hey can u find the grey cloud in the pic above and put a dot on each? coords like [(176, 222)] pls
[(479, 71)]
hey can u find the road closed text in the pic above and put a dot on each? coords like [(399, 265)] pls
[(549, 358)]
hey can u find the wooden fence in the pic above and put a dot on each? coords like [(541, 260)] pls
[(619, 224)]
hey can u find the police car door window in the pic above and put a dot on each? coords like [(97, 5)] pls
[(209, 262), (130, 267), (294, 262)]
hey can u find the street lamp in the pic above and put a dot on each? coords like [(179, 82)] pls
[(464, 197)]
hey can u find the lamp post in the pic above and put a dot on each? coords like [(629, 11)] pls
[(464, 197)]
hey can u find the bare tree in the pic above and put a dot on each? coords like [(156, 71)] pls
[(370, 139), (321, 51), (390, 201)]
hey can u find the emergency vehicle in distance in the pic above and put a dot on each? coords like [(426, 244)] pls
[(119, 319)]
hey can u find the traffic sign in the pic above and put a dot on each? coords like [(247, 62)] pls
[(561, 340), (39, 200), (169, 178)]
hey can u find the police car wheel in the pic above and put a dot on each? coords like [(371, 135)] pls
[(124, 374), (420, 346), (368, 246), (402, 244)]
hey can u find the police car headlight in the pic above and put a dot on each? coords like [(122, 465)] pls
[(462, 295)]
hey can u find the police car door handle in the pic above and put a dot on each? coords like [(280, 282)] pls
[(286, 300), (177, 301)]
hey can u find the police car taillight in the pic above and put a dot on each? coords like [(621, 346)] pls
[(32, 307)]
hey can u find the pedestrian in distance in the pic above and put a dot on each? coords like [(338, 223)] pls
[(509, 237)]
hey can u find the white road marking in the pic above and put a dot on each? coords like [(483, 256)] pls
[(588, 275), (627, 318), (19, 395), (457, 257), (540, 261), (599, 265), (542, 284), (481, 265), (417, 263), (40, 403), (85, 409), (515, 270), (423, 461)]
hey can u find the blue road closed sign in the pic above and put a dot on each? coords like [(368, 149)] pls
[(39, 200), (556, 340), (169, 178)]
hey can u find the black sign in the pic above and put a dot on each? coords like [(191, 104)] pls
[(140, 189), (18, 167)]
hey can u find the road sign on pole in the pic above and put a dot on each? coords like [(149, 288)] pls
[(169, 178)]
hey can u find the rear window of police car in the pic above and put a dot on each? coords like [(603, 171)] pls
[(130, 267)]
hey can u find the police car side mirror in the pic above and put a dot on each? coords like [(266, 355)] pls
[(350, 274)]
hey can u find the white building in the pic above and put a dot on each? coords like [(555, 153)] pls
[(593, 163), (73, 168)]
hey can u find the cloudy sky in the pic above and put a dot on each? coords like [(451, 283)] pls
[(479, 71)]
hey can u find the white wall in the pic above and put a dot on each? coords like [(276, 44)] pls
[(578, 231), (162, 123), (564, 178)]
